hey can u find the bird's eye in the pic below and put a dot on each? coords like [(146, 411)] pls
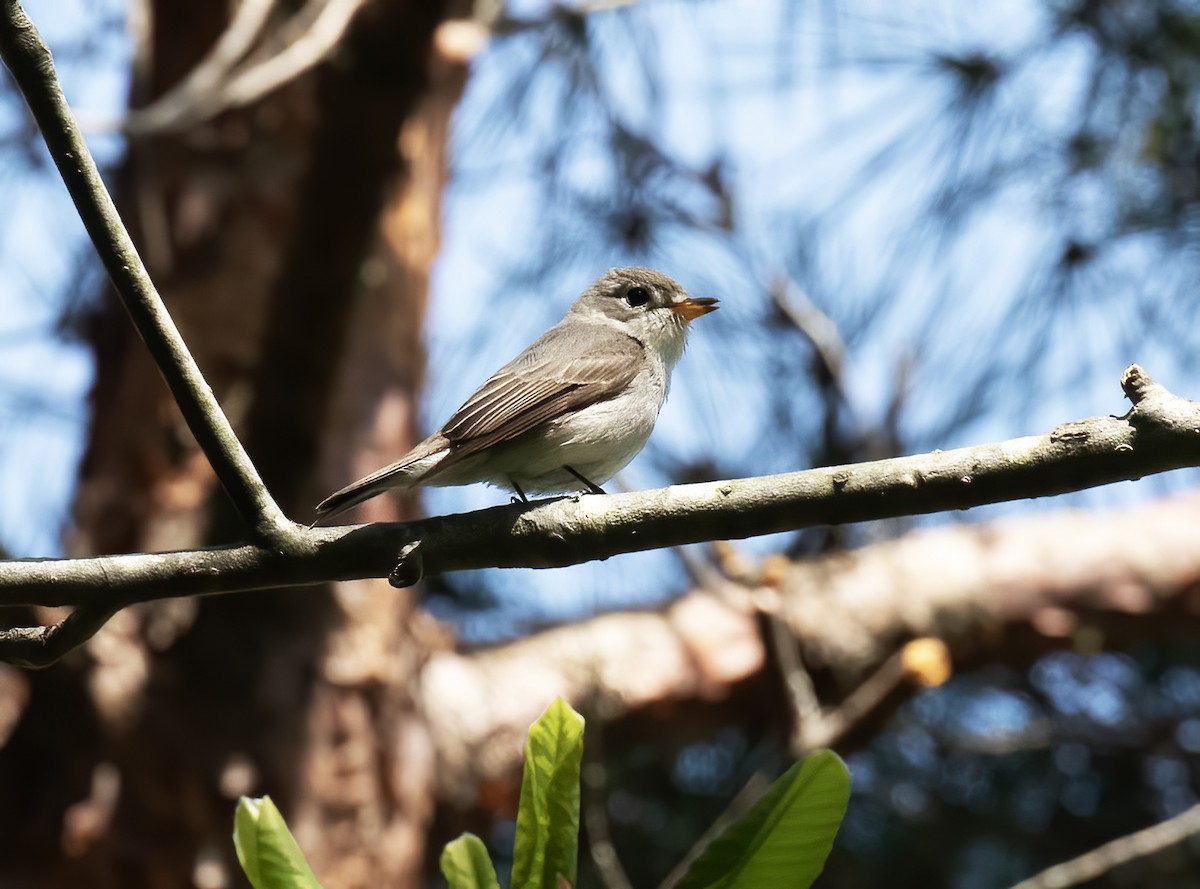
[(637, 296)]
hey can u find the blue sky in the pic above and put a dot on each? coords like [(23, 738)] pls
[(43, 252)]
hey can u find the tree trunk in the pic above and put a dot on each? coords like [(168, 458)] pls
[(291, 241)]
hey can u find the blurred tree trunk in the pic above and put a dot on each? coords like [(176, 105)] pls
[(291, 240)]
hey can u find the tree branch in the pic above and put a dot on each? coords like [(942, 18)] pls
[(1159, 433), (29, 60), (42, 646), (216, 86), (1004, 591), (1099, 861), (178, 106)]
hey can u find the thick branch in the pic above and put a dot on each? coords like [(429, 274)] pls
[(1004, 591), (27, 56), (1160, 433)]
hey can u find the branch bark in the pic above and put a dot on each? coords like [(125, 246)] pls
[(1161, 432), (1005, 591)]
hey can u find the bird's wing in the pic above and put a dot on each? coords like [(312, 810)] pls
[(552, 377)]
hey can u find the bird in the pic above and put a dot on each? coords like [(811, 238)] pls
[(567, 413)]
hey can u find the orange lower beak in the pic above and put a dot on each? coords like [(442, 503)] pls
[(694, 307)]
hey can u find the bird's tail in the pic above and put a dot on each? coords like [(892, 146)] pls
[(397, 475)]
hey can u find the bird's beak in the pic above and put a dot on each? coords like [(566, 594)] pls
[(694, 307)]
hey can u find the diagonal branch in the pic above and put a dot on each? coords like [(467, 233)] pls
[(29, 60), (1094, 864)]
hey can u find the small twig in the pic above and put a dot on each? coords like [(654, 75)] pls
[(37, 647), (595, 812), (1120, 851), (409, 567), (29, 60), (818, 328), (925, 661), (829, 725), (806, 708)]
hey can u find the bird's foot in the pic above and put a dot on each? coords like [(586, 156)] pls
[(592, 487)]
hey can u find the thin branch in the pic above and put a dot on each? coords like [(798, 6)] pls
[(819, 329), (827, 726), (815, 726), (1120, 851), (595, 809), (806, 707), (29, 60), (1157, 435), (42, 646)]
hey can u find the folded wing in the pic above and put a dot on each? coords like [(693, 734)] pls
[(549, 379)]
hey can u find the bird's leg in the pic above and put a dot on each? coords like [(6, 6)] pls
[(520, 495), (592, 487)]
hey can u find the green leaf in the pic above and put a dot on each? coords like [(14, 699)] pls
[(784, 839), (266, 848), (466, 865), (547, 842)]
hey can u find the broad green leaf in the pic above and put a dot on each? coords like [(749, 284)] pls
[(266, 848), (547, 841), (466, 865), (784, 839)]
